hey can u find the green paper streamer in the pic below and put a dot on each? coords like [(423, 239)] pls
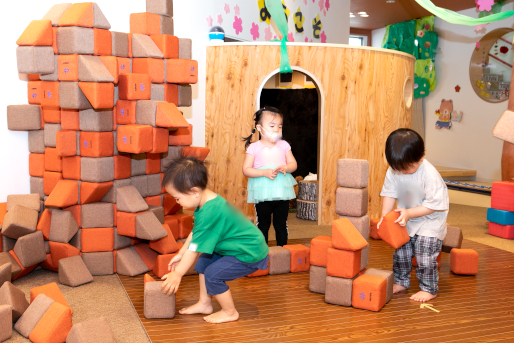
[(455, 18), (276, 11)]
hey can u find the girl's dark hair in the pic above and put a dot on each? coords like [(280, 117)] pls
[(184, 173), (257, 119), (404, 147)]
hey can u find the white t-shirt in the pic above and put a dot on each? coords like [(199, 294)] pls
[(424, 187)]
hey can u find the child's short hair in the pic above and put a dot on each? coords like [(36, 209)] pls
[(184, 173), (404, 147)]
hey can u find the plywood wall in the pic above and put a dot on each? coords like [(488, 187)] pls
[(363, 91)]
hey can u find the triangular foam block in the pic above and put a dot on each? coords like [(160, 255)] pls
[(52, 291), (96, 330), (169, 116), (33, 315), (54, 326), (24, 271), (101, 21), (92, 69), (148, 278), (148, 255), (129, 263), (148, 227), (198, 152), (166, 245), (55, 13), (81, 14), (39, 32), (144, 46), (345, 236), (392, 233), (100, 95), (64, 194), (111, 63), (44, 223), (128, 199), (73, 272), (60, 251), (93, 192)]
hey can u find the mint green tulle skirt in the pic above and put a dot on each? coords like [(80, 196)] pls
[(263, 189)]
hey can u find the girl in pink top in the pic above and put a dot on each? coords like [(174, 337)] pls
[(268, 164)]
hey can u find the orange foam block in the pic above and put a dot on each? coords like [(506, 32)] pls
[(259, 272), (97, 239), (197, 152), (342, 263), (171, 93), (148, 255), (172, 223), (52, 291), (151, 66), (3, 212), (103, 42), (48, 264), (50, 180), (182, 71), (167, 44), (170, 205), (80, 14), (34, 92), (373, 232), (155, 200), (168, 116), (464, 261), (160, 141), (123, 65), (161, 264), (93, 192), (50, 94), (392, 233), (300, 261), (71, 168), (76, 212), (68, 67), (181, 136), (64, 194), (319, 250), (148, 278), (166, 245), (70, 119), (346, 237), (111, 63), (145, 23), (126, 112), (122, 166), (51, 114), (43, 224), (66, 143), (99, 94), (24, 271), (38, 32), (153, 163), (369, 292), (134, 86), (126, 223), (96, 144), (54, 326), (61, 250), (37, 165), (53, 162), (135, 139)]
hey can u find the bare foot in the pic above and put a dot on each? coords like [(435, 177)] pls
[(198, 308), (423, 296), (397, 288), (222, 317)]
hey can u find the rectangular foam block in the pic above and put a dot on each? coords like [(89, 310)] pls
[(19, 221), (502, 196), (138, 164), (33, 315), (94, 192), (51, 114), (464, 261), (37, 186), (122, 165), (50, 180), (23, 117), (156, 303), (6, 321), (342, 263), (103, 42), (71, 167), (52, 76), (185, 96), (160, 143), (498, 230), (120, 241), (63, 226), (505, 127), (99, 263), (167, 25), (96, 144), (185, 224), (99, 94), (51, 134), (97, 215), (181, 71), (279, 260), (369, 292), (34, 92), (96, 330), (317, 279), (168, 45), (135, 139), (30, 249), (141, 184), (96, 120), (153, 166), (35, 59), (37, 141), (338, 291), (185, 48), (126, 112), (453, 239), (65, 143), (162, 7), (97, 169), (300, 261), (97, 239), (351, 202), (345, 236), (72, 97), (386, 274), (151, 66), (364, 257), (158, 92), (319, 250), (145, 23), (496, 216), (120, 44), (161, 264), (199, 153), (27, 200), (391, 232), (170, 92), (134, 87), (154, 184), (352, 173), (68, 67), (75, 40)]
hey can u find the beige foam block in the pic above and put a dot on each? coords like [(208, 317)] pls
[(75, 40), (51, 134), (453, 239), (339, 291), (37, 141), (101, 21), (144, 46), (63, 226), (157, 92), (156, 303), (146, 111), (30, 249), (99, 263), (37, 186), (97, 215), (53, 76), (504, 129), (351, 201), (111, 195), (27, 200), (36, 59), (33, 315), (361, 224), (148, 227), (23, 117), (137, 164), (317, 279), (167, 25), (95, 120), (96, 330), (129, 263), (185, 96), (162, 7), (11, 295), (154, 185), (76, 241), (121, 242), (55, 13), (92, 69), (279, 260), (6, 321), (352, 173), (185, 48), (141, 184), (364, 257), (5, 272), (6, 258), (129, 200), (97, 169), (73, 272), (72, 97), (19, 221), (120, 44), (386, 274), (168, 157), (158, 211)]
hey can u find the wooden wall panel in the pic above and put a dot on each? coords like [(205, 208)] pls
[(363, 91)]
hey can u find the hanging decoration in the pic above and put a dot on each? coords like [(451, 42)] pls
[(316, 27), (446, 115), (298, 20), (279, 12)]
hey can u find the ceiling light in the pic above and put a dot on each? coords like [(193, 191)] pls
[(361, 13), (390, 1), (364, 15), (352, 15)]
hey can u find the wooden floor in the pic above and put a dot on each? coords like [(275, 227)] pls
[(280, 308)]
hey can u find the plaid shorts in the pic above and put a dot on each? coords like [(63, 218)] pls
[(426, 250)]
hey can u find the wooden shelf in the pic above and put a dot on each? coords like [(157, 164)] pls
[(448, 172)]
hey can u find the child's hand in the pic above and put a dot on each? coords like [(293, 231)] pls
[(174, 263), (281, 170), (171, 283), (270, 174), (380, 222), (404, 216)]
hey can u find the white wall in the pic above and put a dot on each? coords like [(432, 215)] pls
[(468, 144), (190, 18)]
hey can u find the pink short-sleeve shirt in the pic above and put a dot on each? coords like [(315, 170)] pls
[(268, 155)]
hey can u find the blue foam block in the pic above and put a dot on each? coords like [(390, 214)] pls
[(500, 217)]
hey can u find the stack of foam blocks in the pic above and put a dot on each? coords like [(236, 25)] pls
[(501, 213), (104, 125)]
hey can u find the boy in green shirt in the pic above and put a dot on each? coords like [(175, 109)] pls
[(229, 245)]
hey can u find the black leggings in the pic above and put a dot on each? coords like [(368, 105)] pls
[(280, 210)]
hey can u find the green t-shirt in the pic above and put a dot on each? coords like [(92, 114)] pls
[(220, 228)]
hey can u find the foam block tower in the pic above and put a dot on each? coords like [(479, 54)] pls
[(501, 213)]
